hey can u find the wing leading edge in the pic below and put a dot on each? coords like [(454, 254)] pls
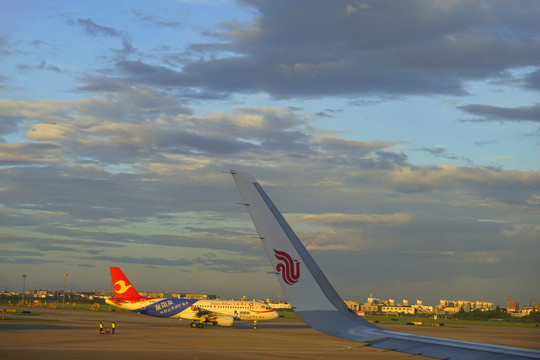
[(318, 304)]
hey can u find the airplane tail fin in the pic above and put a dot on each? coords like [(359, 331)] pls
[(121, 285)]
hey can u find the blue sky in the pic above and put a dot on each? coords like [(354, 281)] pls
[(401, 140)]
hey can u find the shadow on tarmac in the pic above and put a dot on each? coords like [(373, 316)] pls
[(9, 327)]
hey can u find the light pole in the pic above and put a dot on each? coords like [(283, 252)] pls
[(64, 295), (23, 287)]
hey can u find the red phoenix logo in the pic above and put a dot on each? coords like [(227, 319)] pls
[(289, 268)]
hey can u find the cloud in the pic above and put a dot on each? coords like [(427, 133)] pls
[(388, 157), (144, 139), (485, 142), (143, 260), (351, 49), (50, 132), (6, 47), (91, 28), (403, 232), (55, 241), (29, 153), (451, 175), (442, 152), (417, 249), (45, 111), (26, 261), (353, 220), (533, 80), (131, 174), (488, 113), (128, 47), (155, 20), (356, 147), (8, 253), (43, 65), (8, 125), (95, 30), (154, 138)]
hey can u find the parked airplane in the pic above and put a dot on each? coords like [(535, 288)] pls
[(216, 312), (317, 303)]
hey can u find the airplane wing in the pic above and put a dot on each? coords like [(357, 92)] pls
[(201, 312), (205, 313), (317, 303)]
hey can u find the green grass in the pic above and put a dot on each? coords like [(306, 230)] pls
[(58, 305), (287, 314), (387, 320), (447, 322)]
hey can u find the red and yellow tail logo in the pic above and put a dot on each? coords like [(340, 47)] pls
[(121, 285), (289, 268)]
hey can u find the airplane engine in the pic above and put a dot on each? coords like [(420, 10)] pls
[(224, 320)]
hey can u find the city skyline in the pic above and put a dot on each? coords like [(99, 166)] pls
[(52, 293), (400, 140), (277, 297)]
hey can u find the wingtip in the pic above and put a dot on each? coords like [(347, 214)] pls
[(237, 174)]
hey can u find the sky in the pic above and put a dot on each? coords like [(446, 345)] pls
[(401, 140)]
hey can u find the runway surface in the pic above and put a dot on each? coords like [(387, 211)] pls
[(67, 334)]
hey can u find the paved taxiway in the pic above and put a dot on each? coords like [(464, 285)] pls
[(67, 334)]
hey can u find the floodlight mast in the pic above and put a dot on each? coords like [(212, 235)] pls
[(64, 295), (24, 276)]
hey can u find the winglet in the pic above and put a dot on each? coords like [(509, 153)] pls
[(308, 290)]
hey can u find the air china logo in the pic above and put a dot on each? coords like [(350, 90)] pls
[(123, 288), (289, 268)]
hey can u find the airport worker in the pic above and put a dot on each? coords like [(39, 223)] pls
[(113, 326), (101, 327)]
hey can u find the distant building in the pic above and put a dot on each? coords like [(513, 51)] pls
[(452, 305), (482, 305), (198, 296), (370, 308), (372, 300), (512, 306), (284, 305), (95, 294), (164, 294), (398, 310), (526, 310), (42, 294), (451, 309), (353, 305)]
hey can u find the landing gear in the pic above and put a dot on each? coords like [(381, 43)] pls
[(196, 325), (254, 324)]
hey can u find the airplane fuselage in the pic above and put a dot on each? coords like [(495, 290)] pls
[(192, 308)]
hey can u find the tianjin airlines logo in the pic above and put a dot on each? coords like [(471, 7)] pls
[(122, 285), (289, 268)]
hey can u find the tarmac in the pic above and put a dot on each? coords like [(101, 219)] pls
[(69, 334)]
